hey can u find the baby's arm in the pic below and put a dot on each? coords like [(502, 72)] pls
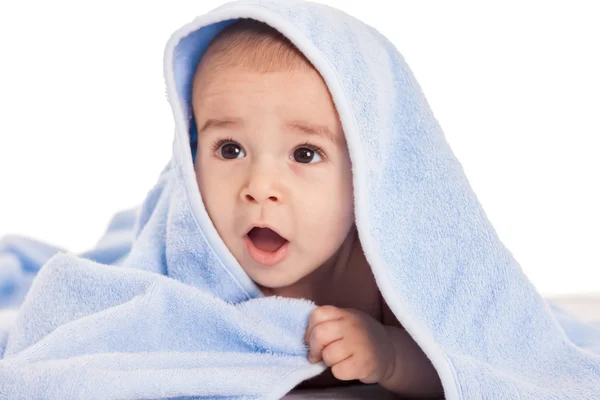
[(356, 346), (413, 373)]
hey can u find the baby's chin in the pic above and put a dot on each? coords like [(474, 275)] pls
[(288, 278), (273, 283), (282, 284)]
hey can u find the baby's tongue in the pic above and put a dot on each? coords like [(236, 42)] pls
[(265, 239)]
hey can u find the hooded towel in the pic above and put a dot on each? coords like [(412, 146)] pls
[(161, 309)]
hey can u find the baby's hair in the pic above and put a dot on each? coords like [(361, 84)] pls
[(256, 46)]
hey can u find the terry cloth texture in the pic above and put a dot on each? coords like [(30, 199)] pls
[(161, 308)]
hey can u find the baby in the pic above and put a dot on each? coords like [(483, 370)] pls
[(275, 176)]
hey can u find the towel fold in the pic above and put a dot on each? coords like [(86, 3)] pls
[(160, 308)]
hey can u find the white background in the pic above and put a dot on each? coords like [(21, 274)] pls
[(85, 127)]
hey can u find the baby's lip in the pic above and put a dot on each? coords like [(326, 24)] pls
[(264, 225)]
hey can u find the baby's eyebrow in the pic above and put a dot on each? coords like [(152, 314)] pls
[(314, 129), (220, 123), (305, 127)]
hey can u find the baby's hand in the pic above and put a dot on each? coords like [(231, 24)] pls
[(353, 343)]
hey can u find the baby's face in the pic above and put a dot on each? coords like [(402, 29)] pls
[(260, 168)]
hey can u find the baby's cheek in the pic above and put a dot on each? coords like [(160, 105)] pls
[(300, 171), (319, 178)]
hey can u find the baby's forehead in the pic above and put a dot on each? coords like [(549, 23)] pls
[(292, 126), (223, 101)]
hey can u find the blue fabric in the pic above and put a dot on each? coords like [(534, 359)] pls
[(161, 309)]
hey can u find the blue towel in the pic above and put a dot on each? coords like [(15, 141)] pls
[(161, 309)]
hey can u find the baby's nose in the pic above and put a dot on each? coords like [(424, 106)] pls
[(251, 198), (263, 187)]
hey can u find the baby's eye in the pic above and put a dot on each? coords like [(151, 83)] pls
[(228, 150), (306, 154)]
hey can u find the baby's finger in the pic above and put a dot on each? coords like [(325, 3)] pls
[(336, 352), (319, 315), (322, 335), (345, 370)]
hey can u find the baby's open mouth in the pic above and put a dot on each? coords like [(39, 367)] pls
[(266, 239)]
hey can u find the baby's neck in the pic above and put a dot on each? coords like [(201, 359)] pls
[(322, 285)]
